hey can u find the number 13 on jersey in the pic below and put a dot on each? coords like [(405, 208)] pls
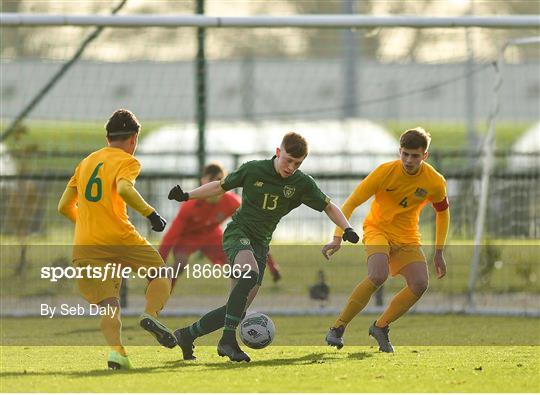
[(270, 201)]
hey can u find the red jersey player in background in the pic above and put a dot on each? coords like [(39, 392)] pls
[(197, 227)]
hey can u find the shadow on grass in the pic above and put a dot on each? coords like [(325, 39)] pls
[(87, 373), (95, 330), (360, 355), (180, 365), (310, 359)]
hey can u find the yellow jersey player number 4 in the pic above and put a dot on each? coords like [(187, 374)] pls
[(391, 234)]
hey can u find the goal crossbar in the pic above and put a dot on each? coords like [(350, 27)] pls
[(299, 21)]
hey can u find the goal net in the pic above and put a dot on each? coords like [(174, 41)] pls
[(351, 92)]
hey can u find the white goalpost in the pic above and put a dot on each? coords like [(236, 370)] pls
[(488, 148)]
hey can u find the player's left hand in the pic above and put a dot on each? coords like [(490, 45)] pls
[(157, 221), (440, 264), (350, 235)]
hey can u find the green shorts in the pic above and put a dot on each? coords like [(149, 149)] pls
[(236, 240)]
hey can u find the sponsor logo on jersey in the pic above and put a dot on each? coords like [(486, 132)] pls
[(288, 191), (258, 184), (244, 241), (420, 193)]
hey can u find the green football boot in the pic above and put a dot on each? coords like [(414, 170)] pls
[(116, 361)]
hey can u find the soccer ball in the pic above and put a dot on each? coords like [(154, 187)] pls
[(257, 330)]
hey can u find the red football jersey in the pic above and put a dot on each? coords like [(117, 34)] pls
[(198, 221)]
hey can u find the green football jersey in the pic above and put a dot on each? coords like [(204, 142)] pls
[(267, 197)]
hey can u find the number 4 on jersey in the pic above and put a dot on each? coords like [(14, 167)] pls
[(403, 202)]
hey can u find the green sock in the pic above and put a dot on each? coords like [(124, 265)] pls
[(237, 300), (229, 335), (210, 322)]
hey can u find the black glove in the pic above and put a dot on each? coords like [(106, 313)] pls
[(177, 194), (157, 221), (350, 235)]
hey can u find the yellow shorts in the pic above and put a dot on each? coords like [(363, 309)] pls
[(399, 255), (95, 289)]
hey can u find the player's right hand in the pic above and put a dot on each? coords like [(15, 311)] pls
[(350, 235), (331, 248), (176, 193), (157, 221)]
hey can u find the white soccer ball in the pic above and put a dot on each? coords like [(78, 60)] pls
[(257, 330)]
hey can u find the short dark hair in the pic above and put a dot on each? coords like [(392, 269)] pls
[(415, 138), (295, 145), (121, 125), (213, 170)]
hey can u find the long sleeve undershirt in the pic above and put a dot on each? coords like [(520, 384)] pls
[(67, 206), (133, 199), (442, 221)]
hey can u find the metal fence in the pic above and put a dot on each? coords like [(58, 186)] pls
[(29, 201)]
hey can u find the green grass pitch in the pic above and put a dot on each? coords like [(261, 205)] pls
[(433, 354)]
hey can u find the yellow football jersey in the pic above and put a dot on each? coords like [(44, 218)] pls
[(102, 218), (399, 198)]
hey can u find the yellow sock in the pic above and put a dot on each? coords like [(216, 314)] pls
[(357, 301), (157, 294), (399, 305), (111, 328)]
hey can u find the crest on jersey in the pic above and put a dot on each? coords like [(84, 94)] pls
[(288, 191), (420, 193)]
